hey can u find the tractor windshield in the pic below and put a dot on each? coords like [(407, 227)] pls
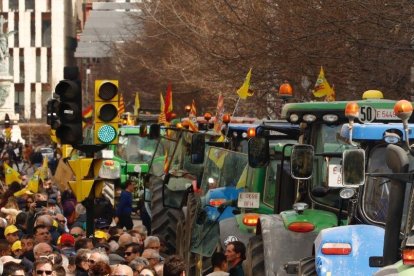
[(327, 167), (136, 149), (224, 168), (377, 189)]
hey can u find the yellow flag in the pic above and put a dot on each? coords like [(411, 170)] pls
[(243, 179), (322, 87), (44, 169), (137, 104), (11, 175), (217, 156), (162, 119), (243, 91), (33, 184)]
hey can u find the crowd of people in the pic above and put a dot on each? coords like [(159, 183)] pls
[(44, 233)]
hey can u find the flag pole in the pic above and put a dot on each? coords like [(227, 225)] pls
[(234, 112), (235, 108)]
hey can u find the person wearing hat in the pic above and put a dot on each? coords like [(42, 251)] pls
[(17, 249), (67, 245), (11, 233), (100, 236)]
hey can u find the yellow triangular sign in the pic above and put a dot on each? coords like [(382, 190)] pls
[(81, 188), (80, 167)]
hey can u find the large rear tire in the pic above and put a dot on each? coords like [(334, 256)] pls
[(307, 267), (163, 220), (255, 257)]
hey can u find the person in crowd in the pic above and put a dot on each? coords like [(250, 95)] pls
[(235, 255), (122, 270), (154, 259), (27, 243), (100, 236), (67, 245), (132, 251), (77, 232), (124, 208), (81, 262), (80, 216), (42, 234), (13, 269), (17, 249), (98, 255), (99, 269), (174, 266), (43, 267), (21, 222), (219, 264), (42, 250), (148, 271), (138, 264), (11, 233), (84, 243), (152, 242)]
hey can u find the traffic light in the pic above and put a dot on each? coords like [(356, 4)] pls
[(106, 112), (69, 112), (52, 113)]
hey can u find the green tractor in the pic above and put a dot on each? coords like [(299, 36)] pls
[(289, 236)]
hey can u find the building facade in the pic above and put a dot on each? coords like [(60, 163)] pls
[(44, 42)]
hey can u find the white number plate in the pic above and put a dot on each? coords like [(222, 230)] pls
[(248, 200)]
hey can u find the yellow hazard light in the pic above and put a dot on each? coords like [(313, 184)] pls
[(403, 109), (226, 118), (250, 219), (352, 110), (251, 132), (207, 116), (372, 94)]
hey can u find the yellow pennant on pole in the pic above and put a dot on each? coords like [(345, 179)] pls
[(243, 91), (11, 175), (136, 104), (322, 87)]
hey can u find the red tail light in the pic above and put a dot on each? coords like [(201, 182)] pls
[(217, 202), (408, 256), (301, 227), (339, 248), (250, 219)]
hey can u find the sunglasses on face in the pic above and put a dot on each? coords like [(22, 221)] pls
[(42, 272), (76, 235), (128, 253)]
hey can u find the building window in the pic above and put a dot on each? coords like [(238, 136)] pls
[(29, 4), (46, 30), (21, 69), (33, 31), (38, 68), (14, 5)]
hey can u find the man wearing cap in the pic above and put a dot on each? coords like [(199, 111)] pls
[(11, 233), (17, 249), (67, 245), (100, 236)]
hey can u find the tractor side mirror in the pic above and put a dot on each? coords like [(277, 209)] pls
[(353, 167), (154, 131), (198, 147), (301, 161), (258, 152)]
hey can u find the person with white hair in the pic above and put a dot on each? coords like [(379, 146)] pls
[(98, 255), (152, 242), (122, 270)]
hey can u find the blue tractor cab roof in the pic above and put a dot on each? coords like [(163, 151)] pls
[(374, 131)]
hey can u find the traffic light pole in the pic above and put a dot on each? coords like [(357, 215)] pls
[(89, 202)]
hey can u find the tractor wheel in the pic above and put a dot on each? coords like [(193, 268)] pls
[(307, 267), (187, 233), (163, 220), (255, 257)]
